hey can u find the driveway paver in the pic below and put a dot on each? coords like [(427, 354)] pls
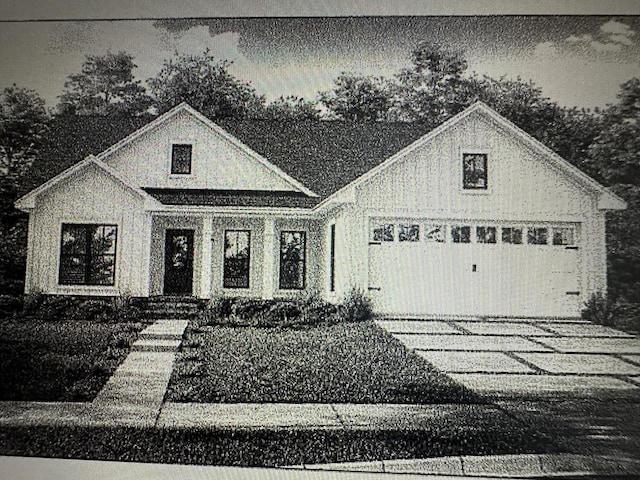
[(580, 363), (518, 384), (593, 345), (474, 362), (472, 343), (417, 326), (503, 328), (583, 330)]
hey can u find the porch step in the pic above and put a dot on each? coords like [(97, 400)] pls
[(171, 307)]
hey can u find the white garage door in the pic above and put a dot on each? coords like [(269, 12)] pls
[(423, 267)]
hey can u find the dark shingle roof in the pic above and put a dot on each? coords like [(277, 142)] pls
[(231, 198), (323, 155)]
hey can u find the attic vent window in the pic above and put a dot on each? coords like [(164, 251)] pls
[(181, 158)]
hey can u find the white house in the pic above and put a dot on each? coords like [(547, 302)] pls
[(474, 218)]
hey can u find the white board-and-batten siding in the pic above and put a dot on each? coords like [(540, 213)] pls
[(90, 196)]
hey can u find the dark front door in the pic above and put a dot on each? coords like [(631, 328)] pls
[(178, 262)]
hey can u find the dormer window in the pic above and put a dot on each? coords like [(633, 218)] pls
[(474, 171), (181, 158)]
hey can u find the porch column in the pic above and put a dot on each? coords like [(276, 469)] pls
[(269, 258), (205, 266)]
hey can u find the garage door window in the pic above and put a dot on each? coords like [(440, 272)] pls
[(461, 234), (486, 234), (382, 232), (563, 236), (408, 232), (434, 233), (537, 236), (512, 235)]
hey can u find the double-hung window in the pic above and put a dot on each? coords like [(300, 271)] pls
[(87, 254), (292, 260), (237, 253)]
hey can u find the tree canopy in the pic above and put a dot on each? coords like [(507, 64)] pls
[(206, 84), (105, 86), (358, 98)]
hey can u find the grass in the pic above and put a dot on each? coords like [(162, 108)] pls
[(348, 362), (266, 447), (60, 360)]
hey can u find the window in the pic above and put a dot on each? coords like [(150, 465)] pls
[(292, 260), (512, 235), (408, 233), (434, 233), (474, 171), (537, 236), (332, 258), (87, 254), (486, 234), (382, 232), (563, 236), (181, 159), (237, 246), (461, 234)]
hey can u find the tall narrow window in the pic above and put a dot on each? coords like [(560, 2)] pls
[(237, 249), (181, 158), (474, 171), (87, 254), (332, 258), (292, 260)]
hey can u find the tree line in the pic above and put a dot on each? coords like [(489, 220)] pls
[(603, 143)]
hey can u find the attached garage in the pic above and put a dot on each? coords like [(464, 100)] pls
[(466, 268)]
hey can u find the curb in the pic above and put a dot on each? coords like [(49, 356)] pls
[(493, 466)]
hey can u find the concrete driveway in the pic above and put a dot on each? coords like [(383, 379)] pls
[(577, 382), (525, 356)]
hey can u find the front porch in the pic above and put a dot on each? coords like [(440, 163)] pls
[(205, 255)]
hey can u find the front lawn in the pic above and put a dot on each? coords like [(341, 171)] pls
[(341, 363), (60, 360)]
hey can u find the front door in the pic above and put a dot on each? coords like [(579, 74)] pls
[(178, 262)]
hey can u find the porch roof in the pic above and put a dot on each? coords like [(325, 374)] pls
[(232, 198)]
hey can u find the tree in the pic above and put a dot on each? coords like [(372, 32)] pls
[(206, 84), (105, 86), (358, 98), (290, 107), (434, 88), (568, 132), (614, 155), (23, 121)]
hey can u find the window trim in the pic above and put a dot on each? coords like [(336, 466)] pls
[(304, 260), (87, 225), (248, 261)]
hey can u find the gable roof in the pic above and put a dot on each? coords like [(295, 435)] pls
[(607, 200), (27, 202), (322, 157)]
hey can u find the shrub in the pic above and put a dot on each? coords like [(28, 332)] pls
[(356, 307), (601, 309)]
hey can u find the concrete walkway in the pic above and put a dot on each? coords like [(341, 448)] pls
[(525, 357)]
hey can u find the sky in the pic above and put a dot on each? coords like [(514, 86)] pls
[(576, 60)]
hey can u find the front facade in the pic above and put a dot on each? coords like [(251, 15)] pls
[(473, 218)]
